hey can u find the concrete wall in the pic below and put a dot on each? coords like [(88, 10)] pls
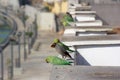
[(73, 1), (4, 2), (48, 0), (64, 7), (109, 13), (13, 3), (98, 55), (100, 1), (46, 21), (56, 9), (60, 7), (30, 12)]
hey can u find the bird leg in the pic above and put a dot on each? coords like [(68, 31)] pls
[(63, 57)]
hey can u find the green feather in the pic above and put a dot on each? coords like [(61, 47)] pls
[(57, 61), (56, 40), (65, 46)]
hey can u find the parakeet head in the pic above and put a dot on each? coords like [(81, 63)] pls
[(53, 45), (48, 59), (56, 40)]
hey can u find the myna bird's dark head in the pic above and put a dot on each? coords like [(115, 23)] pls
[(53, 45), (55, 42)]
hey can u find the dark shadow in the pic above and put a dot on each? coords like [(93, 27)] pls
[(57, 24), (89, 32), (99, 18), (81, 60), (24, 2)]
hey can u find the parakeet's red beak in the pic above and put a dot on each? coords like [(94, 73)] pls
[(53, 45)]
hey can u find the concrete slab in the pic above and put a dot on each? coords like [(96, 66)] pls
[(85, 17), (89, 23), (106, 55), (91, 40), (72, 31), (82, 12), (85, 73), (80, 7), (18, 71), (91, 33), (92, 28)]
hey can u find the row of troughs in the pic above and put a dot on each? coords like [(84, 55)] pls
[(96, 44)]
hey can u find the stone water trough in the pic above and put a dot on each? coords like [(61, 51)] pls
[(95, 50)]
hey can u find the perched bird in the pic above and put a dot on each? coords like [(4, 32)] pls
[(61, 48), (67, 18), (57, 61), (63, 45)]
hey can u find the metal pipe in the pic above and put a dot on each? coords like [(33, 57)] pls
[(12, 63), (25, 54), (75, 55), (2, 64), (28, 45), (19, 55)]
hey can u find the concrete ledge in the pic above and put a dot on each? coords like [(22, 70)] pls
[(85, 73), (80, 32), (85, 17), (96, 23), (104, 55), (73, 30), (18, 71), (91, 40), (80, 7), (92, 28), (82, 12), (89, 23)]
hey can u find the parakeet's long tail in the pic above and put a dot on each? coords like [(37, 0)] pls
[(69, 55), (71, 50)]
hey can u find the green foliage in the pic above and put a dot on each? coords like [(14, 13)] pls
[(8, 62), (26, 17), (5, 26), (46, 8), (64, 0), (4, 32), (1, 40), (29, 34)]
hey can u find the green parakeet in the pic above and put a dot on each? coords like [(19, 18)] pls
[(66, 19), (63, 45), (56, 61), (61, 48)]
